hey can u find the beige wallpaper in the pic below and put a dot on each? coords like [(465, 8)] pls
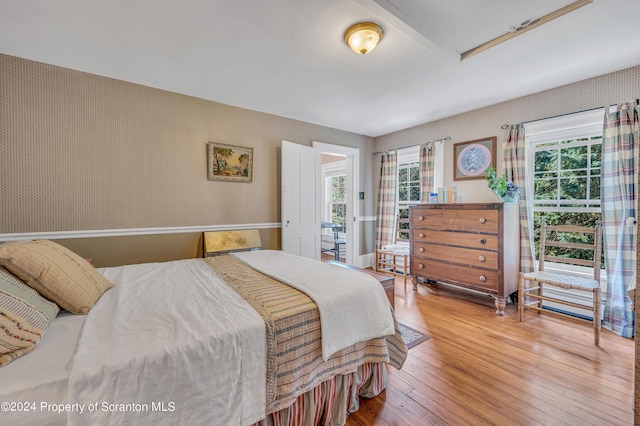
[(595, 92), (84, 152)]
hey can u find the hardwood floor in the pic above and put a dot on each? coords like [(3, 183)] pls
[(479, 368)]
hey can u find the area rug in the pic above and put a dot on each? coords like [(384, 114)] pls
[(411, 336)]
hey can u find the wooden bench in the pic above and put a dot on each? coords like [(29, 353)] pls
[(387, 282)]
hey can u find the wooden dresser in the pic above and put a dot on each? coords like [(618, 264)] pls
[(470, 245)]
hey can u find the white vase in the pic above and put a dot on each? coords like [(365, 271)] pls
[(511, 197)]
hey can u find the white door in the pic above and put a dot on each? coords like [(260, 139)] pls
[(300, 200)]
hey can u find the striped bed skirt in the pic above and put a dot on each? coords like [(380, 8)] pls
[(333, 400)]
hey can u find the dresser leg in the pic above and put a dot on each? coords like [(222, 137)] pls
[(501, 302)]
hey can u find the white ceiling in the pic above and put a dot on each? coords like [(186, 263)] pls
[(288, 57)]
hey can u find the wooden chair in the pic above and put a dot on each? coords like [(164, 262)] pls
[(393, 258), (337, 241), (552, 236)]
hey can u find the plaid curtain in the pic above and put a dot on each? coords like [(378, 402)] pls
[(514, 165), (385, 218), (619, 197), (427, 161)]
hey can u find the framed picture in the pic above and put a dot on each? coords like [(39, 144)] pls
[(230, 163), (471, 159)]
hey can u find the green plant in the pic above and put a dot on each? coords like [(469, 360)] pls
[(499, 184)]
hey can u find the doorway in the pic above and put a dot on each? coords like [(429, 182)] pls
[(339, 172)]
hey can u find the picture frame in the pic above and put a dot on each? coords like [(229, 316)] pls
[(229, 163), (471, 159)]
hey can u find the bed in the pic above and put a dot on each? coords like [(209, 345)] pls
[(232, 339)]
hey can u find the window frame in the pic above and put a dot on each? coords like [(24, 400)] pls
[(409, 157), (329, 170), (581, 128)]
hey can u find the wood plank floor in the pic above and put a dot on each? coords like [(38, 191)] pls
[(479, 368)]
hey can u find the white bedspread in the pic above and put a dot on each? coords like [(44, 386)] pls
[(169, 344), (353, 305)]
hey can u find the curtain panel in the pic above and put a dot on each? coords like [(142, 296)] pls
[(514, 164), (386, 212), (619, 198), (427, 176)]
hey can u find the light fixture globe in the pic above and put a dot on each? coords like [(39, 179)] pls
[(362, 38)]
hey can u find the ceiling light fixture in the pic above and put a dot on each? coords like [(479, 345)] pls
[(363, 37)]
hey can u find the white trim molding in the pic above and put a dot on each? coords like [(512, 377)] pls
[(62, 235)]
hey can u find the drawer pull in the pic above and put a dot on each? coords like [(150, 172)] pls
[(421, 249), (482, 258), (421, 266), (483, 278), (483, 241), (482, 220), (420, 217), (421, 235)]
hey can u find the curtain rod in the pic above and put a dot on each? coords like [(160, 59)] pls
[(412, 146), (505, 126)]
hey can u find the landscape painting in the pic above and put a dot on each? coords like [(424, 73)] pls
[(229, 162)]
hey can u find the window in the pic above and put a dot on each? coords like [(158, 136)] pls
[(564, 159), (334, 191), (408, 189), (337, 199)]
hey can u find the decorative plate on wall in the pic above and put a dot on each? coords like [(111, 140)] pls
[(471, 159)]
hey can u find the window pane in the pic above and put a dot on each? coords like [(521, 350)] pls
[(402, 175), (403, 194), (415, 174), (545, 190), (595, 188), (415, 192), (546, 160), (403, 212), (338, 212), (573, 158), (337, 195), (573, 189), (596, 155), (338, 189), (546, 175)]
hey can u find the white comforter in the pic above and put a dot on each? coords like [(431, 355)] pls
[(353, 306), (169, 344)]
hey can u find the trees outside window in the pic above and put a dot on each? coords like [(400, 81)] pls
[(337, 199), (408, 194)]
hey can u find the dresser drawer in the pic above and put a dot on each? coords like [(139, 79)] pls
[(463, 256), (461, 239), (485, 221), (455, 274)]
